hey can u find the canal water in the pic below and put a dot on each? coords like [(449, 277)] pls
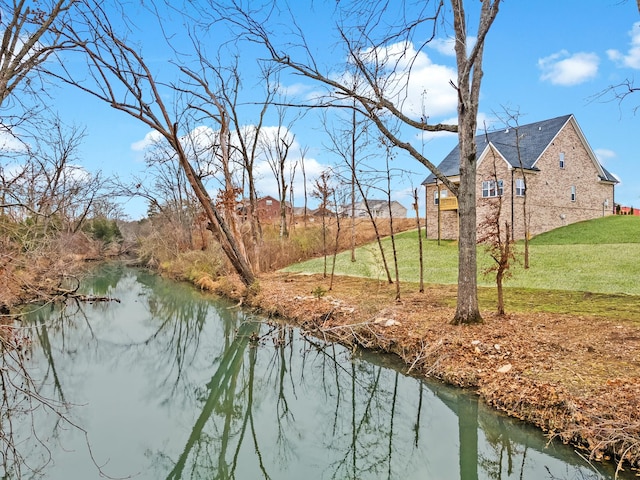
[(164, 382)]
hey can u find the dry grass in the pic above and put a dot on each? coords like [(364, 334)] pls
[(305, 239), (33, 274)]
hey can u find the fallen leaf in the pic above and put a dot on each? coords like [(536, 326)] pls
[(505, 368)]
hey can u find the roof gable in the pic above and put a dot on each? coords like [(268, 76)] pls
[(531, 142)]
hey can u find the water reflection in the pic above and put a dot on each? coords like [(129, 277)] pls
[(167, 384)]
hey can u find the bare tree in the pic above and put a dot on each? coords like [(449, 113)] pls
[(323, 191), (172, 203), (511, 121), (388, 157), (345, 140), (247, 138), (303, 154), (416, 207), (336, 245), (47, 185), (31, 35), (275, 148), (120, 77), (498, 242), (378, 95), (364, 178)]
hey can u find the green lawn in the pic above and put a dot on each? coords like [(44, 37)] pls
[(598, 256)]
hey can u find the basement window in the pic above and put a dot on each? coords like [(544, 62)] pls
[(573, 193)]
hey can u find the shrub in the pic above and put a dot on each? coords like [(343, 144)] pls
[(103, 229)]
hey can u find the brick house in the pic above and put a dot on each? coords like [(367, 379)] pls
[(629, 211), (268, 208), (551, 160)]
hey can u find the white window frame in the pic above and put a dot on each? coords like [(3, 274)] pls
[(520, 187), (268, 202), (443, 194), (573, 193), (562, 162), (491, 188)]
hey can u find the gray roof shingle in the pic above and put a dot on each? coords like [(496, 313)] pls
[(533, 140)]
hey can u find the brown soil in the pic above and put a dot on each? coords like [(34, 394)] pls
[(575, 377)]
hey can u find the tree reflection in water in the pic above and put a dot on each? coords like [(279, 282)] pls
[(211, 392)]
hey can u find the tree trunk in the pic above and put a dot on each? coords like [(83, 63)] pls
[(467, 310), (420, 251), (469, 80), (218, 224)]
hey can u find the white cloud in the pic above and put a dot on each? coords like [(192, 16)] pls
[(564, 69), (632, 58), (485, 123), (202, 137), (149, 139), (604, 154), (299, 90), (9, 142), (76, 174), (414, 83), (447, 46), (266, 183)]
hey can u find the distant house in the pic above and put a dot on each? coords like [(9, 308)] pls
[(378, 208), (629, 211), (565, 182), (267, 208), (320, 212)]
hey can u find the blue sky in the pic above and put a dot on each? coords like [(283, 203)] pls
[(543, 59)]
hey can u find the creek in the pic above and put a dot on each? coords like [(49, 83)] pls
[(169, 383)]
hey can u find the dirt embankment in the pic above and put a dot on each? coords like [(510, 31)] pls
[(575, 377)]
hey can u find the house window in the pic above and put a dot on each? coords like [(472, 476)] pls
[(519, 187), (491, 188), (561, 159), (268, 202), (436, 199), (573, 193)]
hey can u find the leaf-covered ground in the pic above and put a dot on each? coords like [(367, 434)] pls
[(576, 377)]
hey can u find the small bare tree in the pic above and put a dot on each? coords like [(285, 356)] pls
[(275, 148), (323, 191), (416, 207), (497, 241), (512, 123)]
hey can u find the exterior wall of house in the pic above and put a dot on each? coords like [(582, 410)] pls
[(269, 208), (628, 211), (378, 210), (448, 223), (397, 210), (491, 167), (549, 200)]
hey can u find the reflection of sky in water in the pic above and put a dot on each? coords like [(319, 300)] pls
[(137, 371)]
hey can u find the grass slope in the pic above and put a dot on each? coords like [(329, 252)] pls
[(611, 230), (598, 256)]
